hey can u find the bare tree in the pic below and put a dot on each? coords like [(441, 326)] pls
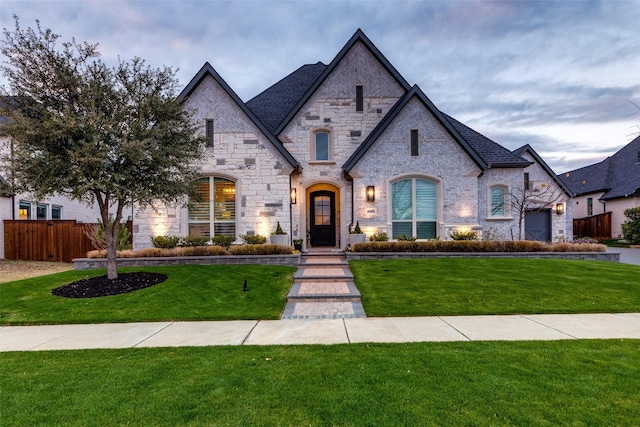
[(526, 201)]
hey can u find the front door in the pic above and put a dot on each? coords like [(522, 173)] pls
[(323, 218), (537, 225)]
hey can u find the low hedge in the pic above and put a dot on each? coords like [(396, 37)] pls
[(198, 251), (476, 246)]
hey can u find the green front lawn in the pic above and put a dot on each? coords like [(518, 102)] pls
[(191, 292), (465, 383), (467, 286)]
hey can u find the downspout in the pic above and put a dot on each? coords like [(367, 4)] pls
[(348, 178), (290, 210)]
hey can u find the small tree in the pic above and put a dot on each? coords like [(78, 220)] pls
[(541, 195), (631, 227), (112, 136)]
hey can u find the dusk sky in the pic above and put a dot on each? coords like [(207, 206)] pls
[(562, 76)]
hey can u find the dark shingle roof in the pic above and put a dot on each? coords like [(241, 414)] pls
[(275, 103), (617, 176), (494, 154)]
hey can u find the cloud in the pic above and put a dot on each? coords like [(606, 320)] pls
[(554, 74)]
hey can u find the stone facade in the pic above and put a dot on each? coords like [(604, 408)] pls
[(374, 140)]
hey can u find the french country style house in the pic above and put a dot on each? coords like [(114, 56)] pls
[(352, 141)]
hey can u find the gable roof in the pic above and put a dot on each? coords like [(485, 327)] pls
[(275, 103), (358, 36), (493, 154), (208, 70), (528, 149), (617, 176), (483, 151)]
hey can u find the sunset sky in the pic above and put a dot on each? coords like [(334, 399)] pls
[(562, 76)]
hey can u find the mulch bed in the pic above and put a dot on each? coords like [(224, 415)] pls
[(101, 286)]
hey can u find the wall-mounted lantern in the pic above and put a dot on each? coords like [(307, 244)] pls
[(371, 193), (294, 196), (560, 208)]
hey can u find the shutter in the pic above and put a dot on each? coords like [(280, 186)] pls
[(209, 132), (414, 142)]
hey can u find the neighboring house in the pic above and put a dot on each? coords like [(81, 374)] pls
[(613, 185), (23, 206), (329, 145)]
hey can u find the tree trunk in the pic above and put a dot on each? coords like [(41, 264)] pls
[(112, 266)]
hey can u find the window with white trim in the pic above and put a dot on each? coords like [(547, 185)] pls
[(497, 202), (56, 212), (414, 208), (213, 211), (322, 146)]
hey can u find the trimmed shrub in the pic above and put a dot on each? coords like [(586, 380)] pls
[(464, 235), (404, 238), (254, 240), (222, 240), (279, 230), (260, 249), (165, 242), (380, 236), (356, 229), (475, 246), (631, 227), (200, 251), (194, 241)]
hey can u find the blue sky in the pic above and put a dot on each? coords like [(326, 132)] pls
[(559, 75)]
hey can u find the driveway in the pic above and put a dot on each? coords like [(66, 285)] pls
[(627, 255)]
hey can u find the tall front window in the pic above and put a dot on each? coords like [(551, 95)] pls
[(497, 201), (322, 146), (414, 208), (213, 211)]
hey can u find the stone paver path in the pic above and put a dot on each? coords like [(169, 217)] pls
[(323, 288)]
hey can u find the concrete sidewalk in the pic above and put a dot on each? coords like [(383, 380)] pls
[(332, 331)]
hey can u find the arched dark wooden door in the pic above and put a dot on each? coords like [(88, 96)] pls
[(323, 218)]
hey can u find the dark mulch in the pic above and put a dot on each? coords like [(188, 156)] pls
[(101, 286)]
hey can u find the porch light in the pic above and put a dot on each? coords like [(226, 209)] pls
[(371, 193), (294, 196), (560, 208)]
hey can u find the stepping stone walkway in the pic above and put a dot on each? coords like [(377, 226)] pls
[(323, 288)]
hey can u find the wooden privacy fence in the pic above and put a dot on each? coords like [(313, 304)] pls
[(55, 240), (597, 226)]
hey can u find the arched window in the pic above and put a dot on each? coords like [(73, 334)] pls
[(322, 146), (213, 211), (498, 195), (414, 209)]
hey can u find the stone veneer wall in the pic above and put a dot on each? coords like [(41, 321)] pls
[(94, 263), (240, 153), (440, 158), (332, 108), (505, 228)]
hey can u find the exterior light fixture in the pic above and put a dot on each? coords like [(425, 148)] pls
[(294, 196), (560, 208), (371, 193)]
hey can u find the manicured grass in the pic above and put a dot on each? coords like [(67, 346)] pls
[(472, 383), (191, 292), (465, 286)]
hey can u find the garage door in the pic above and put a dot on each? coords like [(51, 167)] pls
[(537, 225)]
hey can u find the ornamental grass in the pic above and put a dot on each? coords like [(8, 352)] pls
[(212, 250)]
